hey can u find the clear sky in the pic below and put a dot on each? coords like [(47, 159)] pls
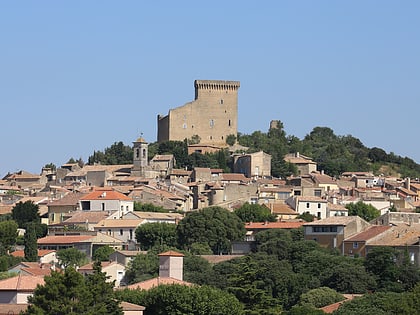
[(77, 76)]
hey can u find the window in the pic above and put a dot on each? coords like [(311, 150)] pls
[(355, 245), (229, 123), (103, 206), (211, 123), (324, 229), (319, 206), (221, 102), (121, 232), (318, 215), (184, 126), (131, 234), (317, 193), (307, 205)]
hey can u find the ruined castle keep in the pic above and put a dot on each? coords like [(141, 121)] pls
[(213, 115)]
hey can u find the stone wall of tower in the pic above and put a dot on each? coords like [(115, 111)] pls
[(213, 115)]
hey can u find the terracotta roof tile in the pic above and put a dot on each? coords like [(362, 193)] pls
[(273, 225), (172, 253), (105, 195), (21, 283), (368, 234)]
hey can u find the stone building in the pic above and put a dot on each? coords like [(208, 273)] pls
[(212, 116)]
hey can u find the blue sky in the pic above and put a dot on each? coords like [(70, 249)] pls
[(78, 76)]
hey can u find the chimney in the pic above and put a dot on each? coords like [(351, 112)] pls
[(171, 265), (407, 183), (297, 154)]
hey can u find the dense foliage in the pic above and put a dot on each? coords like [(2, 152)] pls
[(118, 153), (215, 226), (363, 210), (149, 235), (334, 154), (71, 257), (26, 212), (179, 299), (254, 213), (69, 292), (8, 235)]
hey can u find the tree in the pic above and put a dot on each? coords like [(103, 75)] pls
[(71, 257), (30, 242), (142, 267), (151, 234), (320, 297), (103, 298), (70, 293), (102, 253), (215, 226), (254, 213), (8, 234), (117, 153), (51, 166), (306, 216), (179, 299), (363, 210), (231, 139), (148, 207), (25, 212)]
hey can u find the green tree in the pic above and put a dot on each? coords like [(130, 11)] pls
[(200, 249), (254, 213), (25, 212), (70, 293), (30, 242), (306, 216), (71, 257), (320, 297), (231, 139), (8, 235), (102, 253), (117, 153), (102, 292), (363, 210), (51, 166), (151, 234), (215, 226), (142, 267), (148, 207), (179, 299)]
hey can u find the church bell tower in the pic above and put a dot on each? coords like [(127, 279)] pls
[(140, 157)]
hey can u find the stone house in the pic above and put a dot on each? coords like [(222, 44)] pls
[(304, 164), (107, 200), (16, 290), (356, 245), (331, 232), (60, 210), (315, 206), (122, 229), (253, 165)]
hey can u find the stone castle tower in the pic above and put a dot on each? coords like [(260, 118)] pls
[(213, 115), (140, 159)]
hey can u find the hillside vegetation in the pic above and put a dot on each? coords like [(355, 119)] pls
[(334, 154)]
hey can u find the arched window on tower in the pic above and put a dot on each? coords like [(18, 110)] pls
[(137, 153), (144, 153)]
